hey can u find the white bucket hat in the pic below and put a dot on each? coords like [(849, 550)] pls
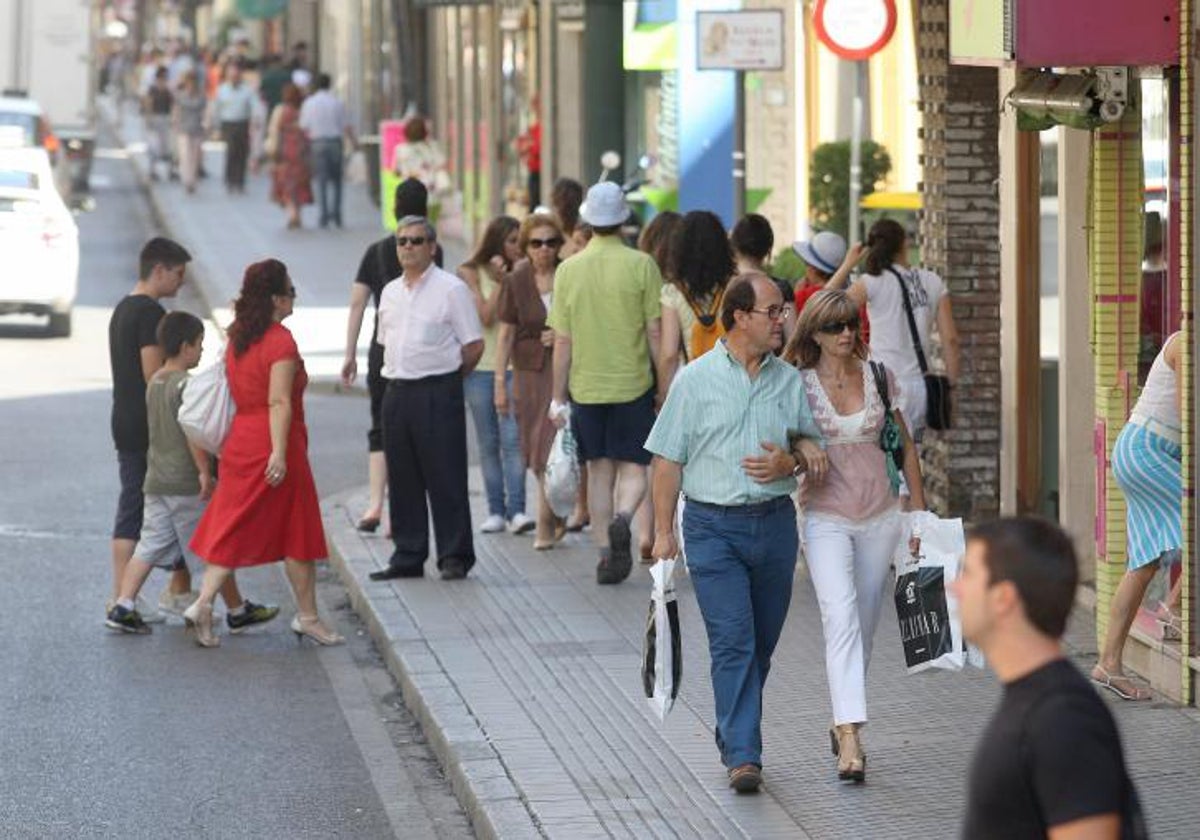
[(824, 252), (605, 205)]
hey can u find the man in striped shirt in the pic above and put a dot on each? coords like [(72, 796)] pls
[(735, 431)]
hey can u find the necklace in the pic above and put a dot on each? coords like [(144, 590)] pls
[(837, 380)]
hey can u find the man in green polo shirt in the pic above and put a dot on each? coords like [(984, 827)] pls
[(725, 437), (605, 317)]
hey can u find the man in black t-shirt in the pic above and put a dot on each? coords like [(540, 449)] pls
[(379, 266), (135, 355), (1049, 763)]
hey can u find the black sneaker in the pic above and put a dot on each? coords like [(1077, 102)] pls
[(127, 621), (616, 565), (251, 615)]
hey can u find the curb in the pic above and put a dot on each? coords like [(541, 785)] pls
[(477, 774)]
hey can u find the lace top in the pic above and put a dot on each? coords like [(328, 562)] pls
[(857, 486)]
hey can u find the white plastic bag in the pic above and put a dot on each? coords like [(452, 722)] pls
[(206, 412), (662, 650), (562, 473), (930, 626)]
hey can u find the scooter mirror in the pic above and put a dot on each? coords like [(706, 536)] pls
[(610, 160)]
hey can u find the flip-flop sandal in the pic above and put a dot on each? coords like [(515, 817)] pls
[(1113, 683)]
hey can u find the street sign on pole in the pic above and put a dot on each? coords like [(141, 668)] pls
[(855, 30), (740, 40)]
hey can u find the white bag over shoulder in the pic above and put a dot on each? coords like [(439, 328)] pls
[(206, 412)]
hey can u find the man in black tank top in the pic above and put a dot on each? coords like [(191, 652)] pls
[(1049, 763)]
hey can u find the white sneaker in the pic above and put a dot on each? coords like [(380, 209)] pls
[(492, 525), (522, 524)]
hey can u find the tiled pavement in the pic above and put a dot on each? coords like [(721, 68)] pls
[(528, 673)]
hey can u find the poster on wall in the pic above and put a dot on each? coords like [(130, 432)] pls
[(743, 40)]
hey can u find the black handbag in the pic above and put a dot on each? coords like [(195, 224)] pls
[(937, 387)]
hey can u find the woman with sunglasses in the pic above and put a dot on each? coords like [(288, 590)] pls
[(265, 506), (485, 274), (853, 520), (525, 339)]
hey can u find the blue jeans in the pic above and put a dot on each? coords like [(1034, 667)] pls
[(741, 561), (499, 445), (327, 164)]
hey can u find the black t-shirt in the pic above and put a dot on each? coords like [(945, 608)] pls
[(1050, 755), (161, 100), (380, 265), (133, 325)]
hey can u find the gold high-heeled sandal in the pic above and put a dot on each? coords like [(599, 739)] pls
[(198, 618), (304, 626), (852, 762)]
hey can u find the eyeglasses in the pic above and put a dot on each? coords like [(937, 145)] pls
[(411, 240), (776, 312), (552, 242), (836, 327)]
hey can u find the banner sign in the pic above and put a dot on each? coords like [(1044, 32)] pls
[(744, 40)]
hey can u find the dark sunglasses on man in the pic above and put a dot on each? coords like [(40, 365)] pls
[(411, 240)]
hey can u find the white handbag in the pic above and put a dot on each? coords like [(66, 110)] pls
[(206, 410)]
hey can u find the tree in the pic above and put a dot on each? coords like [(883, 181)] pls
[(829, 183)]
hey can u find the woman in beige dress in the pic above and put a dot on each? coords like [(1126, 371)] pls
[(525, 339)]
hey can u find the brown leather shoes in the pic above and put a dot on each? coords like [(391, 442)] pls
[(745, 778)]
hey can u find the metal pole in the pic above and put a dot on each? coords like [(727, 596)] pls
[(739, 144), (856, 130)]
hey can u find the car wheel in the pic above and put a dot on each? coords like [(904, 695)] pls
[(60, 325)]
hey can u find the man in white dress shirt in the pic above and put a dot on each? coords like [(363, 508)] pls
[(431, 337)]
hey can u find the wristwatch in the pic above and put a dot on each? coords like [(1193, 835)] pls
[(798, 469)]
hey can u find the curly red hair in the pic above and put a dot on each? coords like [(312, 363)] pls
[(254, 310)]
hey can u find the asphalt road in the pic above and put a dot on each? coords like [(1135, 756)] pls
[(105, 735)]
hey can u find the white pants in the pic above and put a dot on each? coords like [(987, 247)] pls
[(849, 565)]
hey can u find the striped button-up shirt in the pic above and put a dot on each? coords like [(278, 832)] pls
[(716, 415)]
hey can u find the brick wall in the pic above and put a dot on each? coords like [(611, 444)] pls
[(960, 241)]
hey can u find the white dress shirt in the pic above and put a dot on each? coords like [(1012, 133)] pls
[(323, 116), (423, 328)]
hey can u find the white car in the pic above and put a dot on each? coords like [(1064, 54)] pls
[(39, 241)]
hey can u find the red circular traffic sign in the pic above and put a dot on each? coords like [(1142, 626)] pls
[(855, 29)]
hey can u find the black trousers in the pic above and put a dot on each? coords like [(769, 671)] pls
[(376, 385), (425, 444), (237, 151)]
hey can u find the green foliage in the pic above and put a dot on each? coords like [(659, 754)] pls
[(829, 182), (787, 265)]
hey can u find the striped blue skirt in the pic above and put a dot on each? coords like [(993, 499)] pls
[(1148, 469)]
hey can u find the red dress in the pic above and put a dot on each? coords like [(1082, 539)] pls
[(248, 522)]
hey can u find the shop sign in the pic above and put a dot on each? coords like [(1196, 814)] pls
[(855, 29), (261, 9), (744, 40)]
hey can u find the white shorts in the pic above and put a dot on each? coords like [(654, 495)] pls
[(167, 527)]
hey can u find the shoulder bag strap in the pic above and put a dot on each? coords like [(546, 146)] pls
[(912, 322), (880, 374)]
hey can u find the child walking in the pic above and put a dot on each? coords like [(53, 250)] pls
[(179, 482)]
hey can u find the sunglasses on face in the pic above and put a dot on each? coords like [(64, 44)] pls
[(410, 240), (836, 327), (552, 242)]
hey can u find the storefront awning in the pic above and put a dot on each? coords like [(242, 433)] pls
[(261, 9)]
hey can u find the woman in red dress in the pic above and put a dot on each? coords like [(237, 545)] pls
[(288, 146), (265, 506)]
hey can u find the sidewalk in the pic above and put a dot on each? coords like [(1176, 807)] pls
[(226, 233), (526, 678)]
